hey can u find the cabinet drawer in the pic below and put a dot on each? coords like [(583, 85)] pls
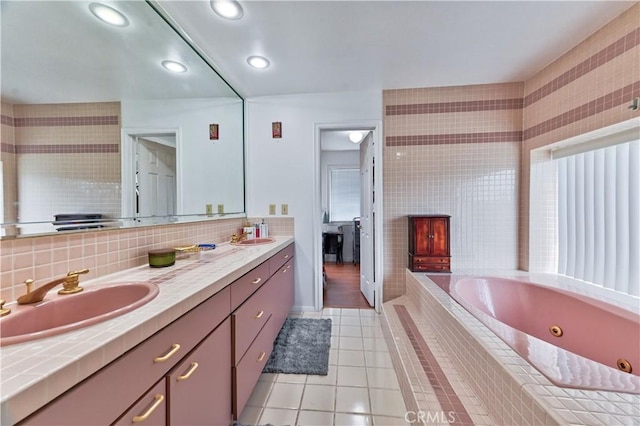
[(149, 410), (246, 285), (280, 258), (430, 259), (247, 372), (250, 318), (431, 267), (133, 373)]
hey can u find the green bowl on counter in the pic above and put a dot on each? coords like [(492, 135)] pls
[(162, 258)]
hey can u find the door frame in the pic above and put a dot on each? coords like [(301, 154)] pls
[(376, 127), (127, 158)]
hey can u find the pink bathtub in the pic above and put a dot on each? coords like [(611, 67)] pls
[(575, 341)]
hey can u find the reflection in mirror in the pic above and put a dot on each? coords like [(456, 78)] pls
[(98, 133)]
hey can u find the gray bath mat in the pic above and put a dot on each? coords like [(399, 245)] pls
[(302, 347)]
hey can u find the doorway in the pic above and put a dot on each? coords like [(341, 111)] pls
[(348, 213), (150, 174)]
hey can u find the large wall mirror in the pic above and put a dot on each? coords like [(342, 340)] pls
[(97, 132)]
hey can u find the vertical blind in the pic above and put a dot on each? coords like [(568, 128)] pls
[(344, 194), (599, 217)]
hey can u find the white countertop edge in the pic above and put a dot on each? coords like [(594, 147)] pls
[(68, 358)]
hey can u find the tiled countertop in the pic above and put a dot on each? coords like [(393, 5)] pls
[(34, 373)]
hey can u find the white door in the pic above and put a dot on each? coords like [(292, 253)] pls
[(155, 179), (367, 259)]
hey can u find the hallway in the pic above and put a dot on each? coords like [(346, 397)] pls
[(343, 286)]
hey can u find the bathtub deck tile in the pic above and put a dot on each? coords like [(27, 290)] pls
[(471, 409)]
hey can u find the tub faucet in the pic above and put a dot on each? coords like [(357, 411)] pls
[(70, 284)]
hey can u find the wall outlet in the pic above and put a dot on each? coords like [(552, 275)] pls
[(209, 208), (220, 208), (285, 209), (272, 209)]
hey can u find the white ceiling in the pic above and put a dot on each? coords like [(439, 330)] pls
[(329, 46), (55, 51)]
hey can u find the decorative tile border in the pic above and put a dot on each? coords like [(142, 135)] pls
[(447, 397), (8, 148), (605, 55), (596, 106), (458, 138), (93, 120), (6, 120), (461, 106), (84, 148)]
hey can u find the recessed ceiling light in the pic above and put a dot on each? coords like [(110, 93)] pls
[(228, 9), (108, 14), (174, 66), (259, 62), (356, 137)]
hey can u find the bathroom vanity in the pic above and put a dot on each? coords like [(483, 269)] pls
[(213, 338)]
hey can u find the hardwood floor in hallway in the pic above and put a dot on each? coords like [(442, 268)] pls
[(343, 286)]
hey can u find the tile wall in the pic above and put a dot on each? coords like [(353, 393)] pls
[(104, 252), (453, 150), (587, 88)]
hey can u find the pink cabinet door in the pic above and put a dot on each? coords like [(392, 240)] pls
[(283, 279), (200, 386), (247, 372), (150, 410)]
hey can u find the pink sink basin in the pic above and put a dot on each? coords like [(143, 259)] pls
[(59, 314), (254, 242)]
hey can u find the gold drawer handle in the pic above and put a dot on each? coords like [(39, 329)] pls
[(261, 357), (260, 314), (285, 270), (174, 348), (286, 256), (256, 281), (194, 367), (158, 400)]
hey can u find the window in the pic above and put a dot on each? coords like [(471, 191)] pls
[(599, 216), (344, 194)]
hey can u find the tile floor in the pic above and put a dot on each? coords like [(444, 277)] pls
[(361, 387)]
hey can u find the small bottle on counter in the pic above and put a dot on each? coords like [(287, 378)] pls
[(257, 230), (264, 230), (248, 232)]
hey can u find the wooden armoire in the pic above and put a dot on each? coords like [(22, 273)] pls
[(429, 248)]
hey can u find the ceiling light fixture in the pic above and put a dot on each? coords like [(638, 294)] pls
[(108, 14), (258, 62), (174, 66), (356, 137), (228, 9)]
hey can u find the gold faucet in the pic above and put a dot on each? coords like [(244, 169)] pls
[(237, 238), (4, 311), (70, 284)]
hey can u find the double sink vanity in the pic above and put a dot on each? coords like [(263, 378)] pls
[(188, 350)]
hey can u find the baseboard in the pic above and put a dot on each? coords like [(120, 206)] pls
[(303, 308)]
